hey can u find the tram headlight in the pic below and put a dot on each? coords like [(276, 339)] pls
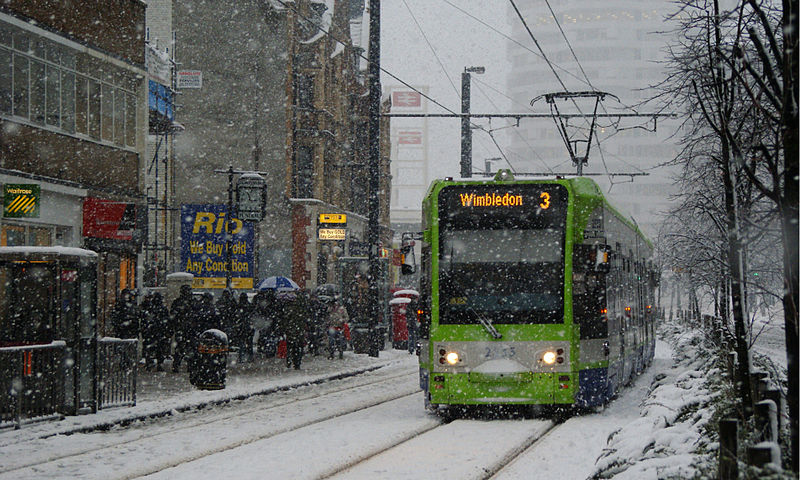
[(549, 357), (452, 358)]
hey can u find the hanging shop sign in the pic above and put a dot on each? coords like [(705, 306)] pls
[(332, 218), (189, 79), (110, 223), (332, 233), (203, 247), (251, 197), (21, 200)]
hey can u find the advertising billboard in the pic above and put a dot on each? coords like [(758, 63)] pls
[(203, 247)]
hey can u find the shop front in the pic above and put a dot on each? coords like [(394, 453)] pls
[(115, 230)]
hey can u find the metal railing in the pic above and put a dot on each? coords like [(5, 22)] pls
[(32, 382), (117, 366)]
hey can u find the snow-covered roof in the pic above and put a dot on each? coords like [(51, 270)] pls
[(399, 301), (66, 251), (407, 291), (325, 21)]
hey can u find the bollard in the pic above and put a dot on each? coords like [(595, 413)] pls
[(754, 379), (728, 446), (766, 421), (775, 396), (732, 365)]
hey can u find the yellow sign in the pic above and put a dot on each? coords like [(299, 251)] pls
[(332, 233), (545, 203), (332, 218), (490, 200), (219, 282)]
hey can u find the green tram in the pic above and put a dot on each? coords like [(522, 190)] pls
[(532, 292)]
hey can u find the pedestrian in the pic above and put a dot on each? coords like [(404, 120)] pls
[(293, 324), (317, 326), (206, 316), (155, 331), (126, 316), (182, 312), (226, 308), (243, 329), (265, 320), (337, 320)]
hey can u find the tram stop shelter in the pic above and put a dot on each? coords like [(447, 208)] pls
[(52, 362)]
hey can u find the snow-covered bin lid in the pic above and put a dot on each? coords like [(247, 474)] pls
[(180, 275), (212, 336), (399, 301), (407, 291)]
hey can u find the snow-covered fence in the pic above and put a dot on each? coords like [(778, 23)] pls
[(32, 382), (118, 360)]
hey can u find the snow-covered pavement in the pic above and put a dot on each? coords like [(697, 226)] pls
[(371, 425)]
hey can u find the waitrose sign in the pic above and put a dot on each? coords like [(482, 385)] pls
[(21, 200)]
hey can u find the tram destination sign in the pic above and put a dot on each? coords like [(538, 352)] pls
[(21, 200)]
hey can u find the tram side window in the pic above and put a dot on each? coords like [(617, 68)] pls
[(27, 304)]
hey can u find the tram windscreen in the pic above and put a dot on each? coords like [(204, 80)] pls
[(501, 254)]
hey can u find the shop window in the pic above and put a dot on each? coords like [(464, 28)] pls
[(12, 236), (39, 237)]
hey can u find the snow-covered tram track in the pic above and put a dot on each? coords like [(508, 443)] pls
[(108, 454), (465, 449)]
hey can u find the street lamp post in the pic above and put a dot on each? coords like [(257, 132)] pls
[(466, 133)]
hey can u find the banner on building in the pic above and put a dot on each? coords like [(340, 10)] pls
[(203, 247), (21, 200)]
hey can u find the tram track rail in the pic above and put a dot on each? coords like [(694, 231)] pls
[(185, 427)]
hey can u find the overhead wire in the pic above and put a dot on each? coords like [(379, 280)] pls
[(433, 50)]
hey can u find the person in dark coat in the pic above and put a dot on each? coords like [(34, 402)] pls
[(155, 331), (317, 323), (125, 318), (182, 311), (243, 329), (226, 309), (293, 323), (206, 316), (265, 315)]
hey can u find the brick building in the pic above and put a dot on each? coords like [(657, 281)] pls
[(282, 97), (72, 124)]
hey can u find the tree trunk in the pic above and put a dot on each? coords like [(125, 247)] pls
[(737, 294), (789, 209)]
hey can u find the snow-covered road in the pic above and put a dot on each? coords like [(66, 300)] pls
[(369, 426)]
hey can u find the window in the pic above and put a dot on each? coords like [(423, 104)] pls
[(37, 92), (305, 91), (6, 76), (21, 66), (304, 178), (52, 85), (68, 106), (81, 105), (119, 117), (94, 109), (53, 96), (107, 112)]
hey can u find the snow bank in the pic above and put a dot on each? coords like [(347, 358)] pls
[(666, 440)]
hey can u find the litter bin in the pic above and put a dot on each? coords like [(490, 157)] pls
[(359, 334), (209, 367)]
